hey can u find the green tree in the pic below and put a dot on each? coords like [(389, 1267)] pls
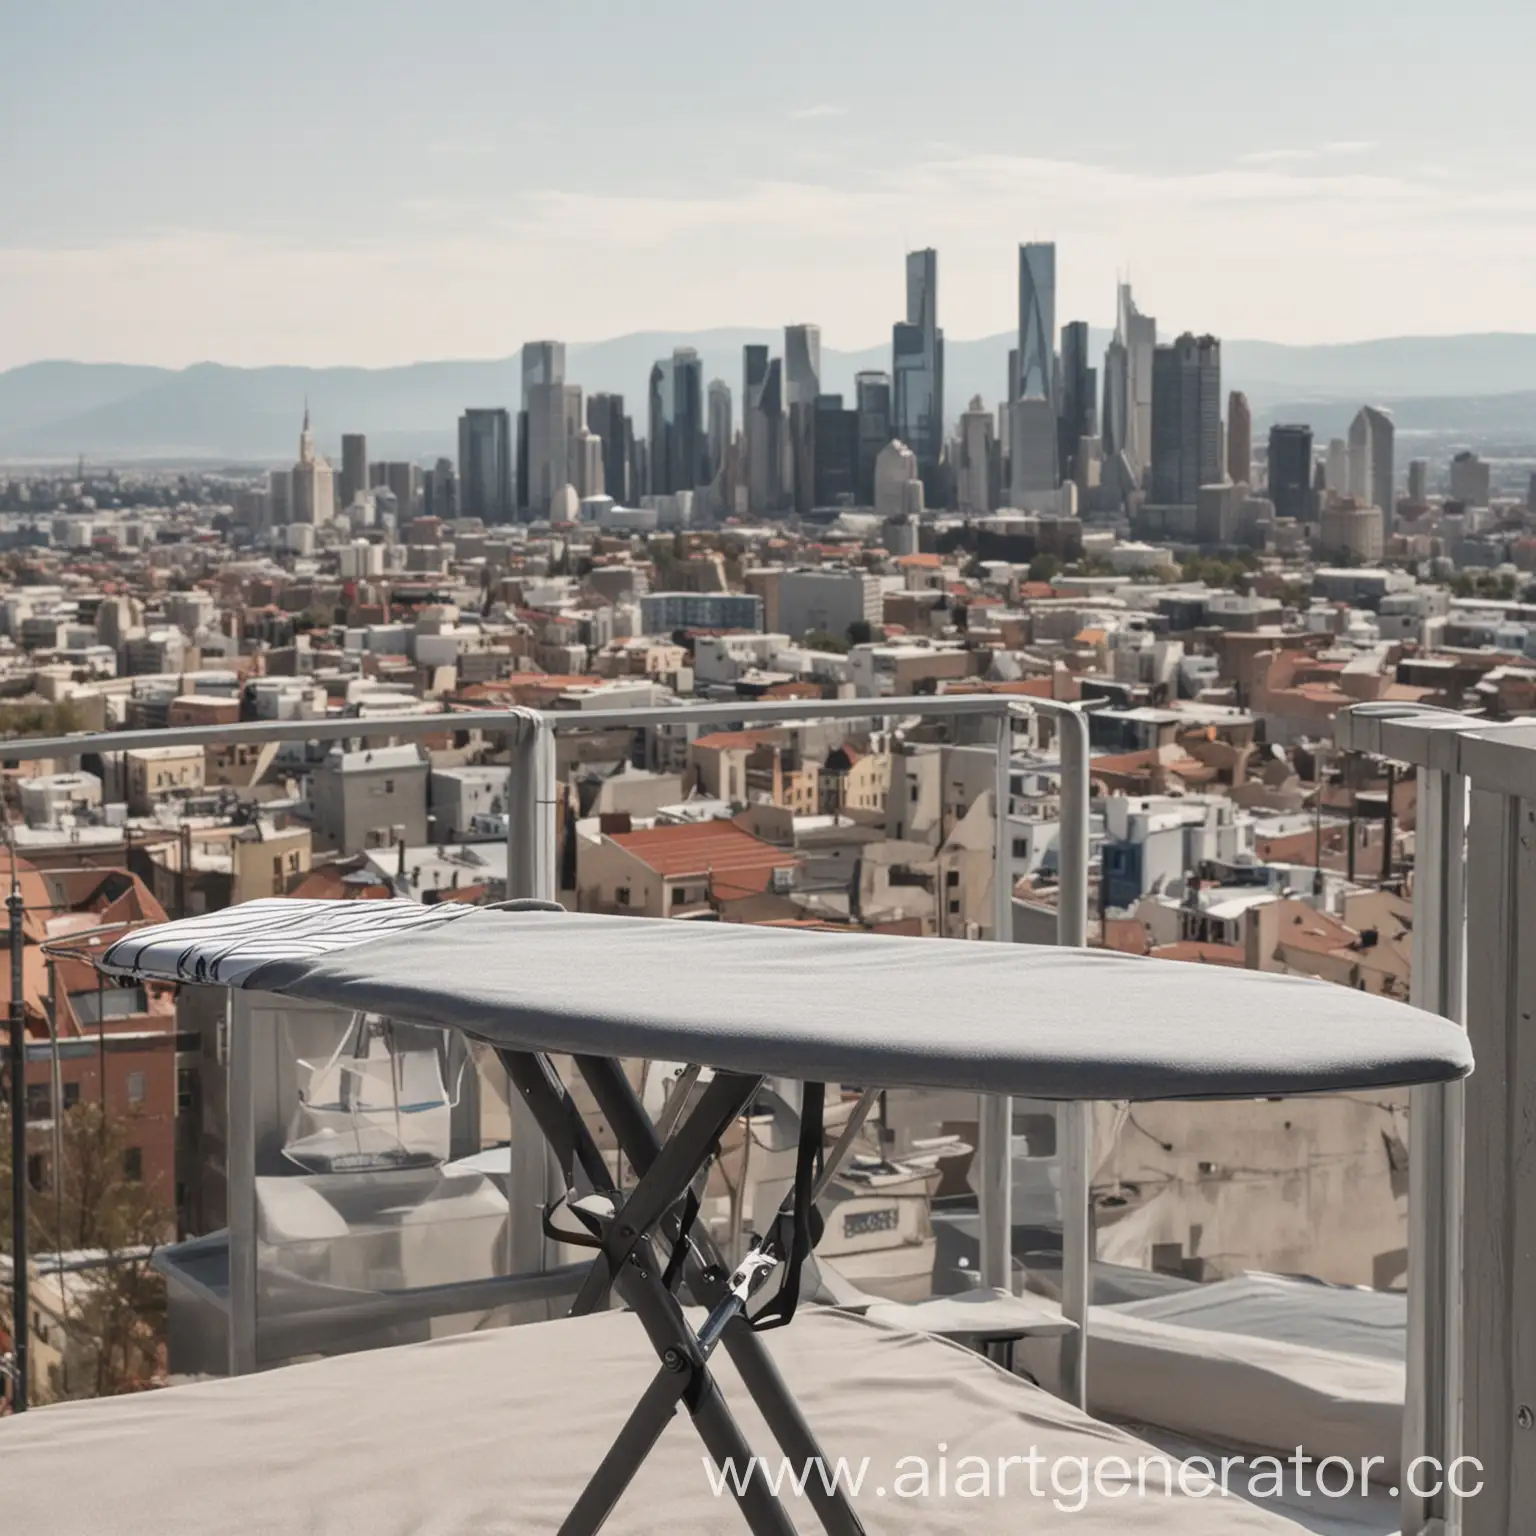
[(42, 719), (820, 640), (1044, 568), (860, 632), (114, 1320)]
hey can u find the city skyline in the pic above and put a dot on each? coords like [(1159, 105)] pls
[(170, 227)]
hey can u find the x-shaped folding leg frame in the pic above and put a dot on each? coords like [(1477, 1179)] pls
[(629, 1263)]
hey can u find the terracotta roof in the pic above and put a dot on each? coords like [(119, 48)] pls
[(740, 740), (1126, 934), (737, 863), (929, 562), (1304, 927), (1200, 954)]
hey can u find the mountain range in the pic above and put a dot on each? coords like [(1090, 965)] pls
[(1475, 385)]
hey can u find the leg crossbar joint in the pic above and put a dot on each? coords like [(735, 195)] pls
[(623, 1232)]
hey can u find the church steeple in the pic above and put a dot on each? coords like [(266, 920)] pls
[(306, 438)]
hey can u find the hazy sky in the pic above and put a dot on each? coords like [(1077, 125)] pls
[(371, 181)]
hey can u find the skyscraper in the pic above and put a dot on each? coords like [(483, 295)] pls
[(762, 428), (872, 400), (679, 450), (1240, 439), (802, 364), (1418, 481), (836, 437), (978, 448), (1077, 409), (586, 463), (1371, 439), (605, 416), (1290, 471), (917, 365), (440, 491), (1127, 426), (1037, 322), (403, 480), (354, 466), (485, 465), (1032, 450), (1186, 419), (543, 430), (1116, 429), (721, 425), (312, 482), (1336, 475), (802, 384)]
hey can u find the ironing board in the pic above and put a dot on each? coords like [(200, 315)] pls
[(532, 980)]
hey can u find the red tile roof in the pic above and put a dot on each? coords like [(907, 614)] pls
[(737, 863), (1190, 951), (740, 740)]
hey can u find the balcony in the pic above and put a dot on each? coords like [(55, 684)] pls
[(345, 1234)]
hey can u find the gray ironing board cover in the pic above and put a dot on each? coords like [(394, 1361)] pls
[(856, 1008)]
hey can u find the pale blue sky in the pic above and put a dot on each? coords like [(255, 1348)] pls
[(369, 181)]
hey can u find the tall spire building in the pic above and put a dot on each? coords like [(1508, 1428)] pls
[(917, 365), (1128, 387), (1033, 432), (312, 482), (1037, 322), (762, 429)]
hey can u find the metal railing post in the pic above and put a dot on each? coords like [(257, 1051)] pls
[(994, 1112), (531, 876), (1432, 1404), (1433, 1408), (1499, 1233), (1074, 1122)]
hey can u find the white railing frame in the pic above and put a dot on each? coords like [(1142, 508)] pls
[(531, 873), (1460, 1334)]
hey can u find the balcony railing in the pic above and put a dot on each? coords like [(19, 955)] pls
[(532, 873), (1471, 1347), (1472, 1193)]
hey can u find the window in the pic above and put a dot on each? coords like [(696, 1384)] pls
[(952, 878), (96, 1004), (621, 896), (186, 1089), (133, 1163), (1021, 847), (954, 909), (1037, 1132), (135, 1087), (389, 786), (39, 1101), (71, 1095)]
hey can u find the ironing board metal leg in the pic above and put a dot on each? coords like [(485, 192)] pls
[(706, 1278), (684, 1376)]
